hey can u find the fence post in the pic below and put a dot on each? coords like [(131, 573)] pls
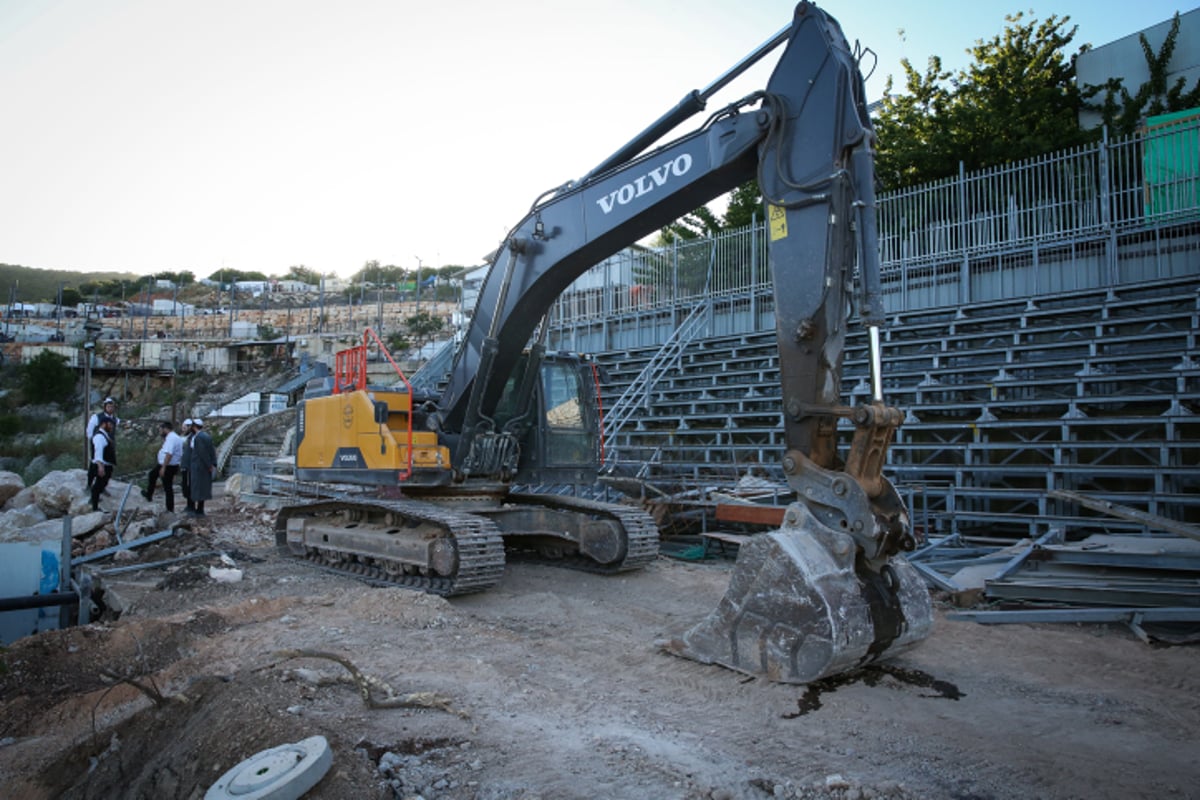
[(1106, 220), (754, 271), (675, 283), (964, 276)]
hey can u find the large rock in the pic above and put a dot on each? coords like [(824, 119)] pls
[(21, 499), (56, 492), (14, 521), (142, 528), (43, 531), (10, 485), (85, 524)]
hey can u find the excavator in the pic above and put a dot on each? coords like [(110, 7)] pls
[(827, 592)]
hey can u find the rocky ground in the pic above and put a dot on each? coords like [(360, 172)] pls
[(550, 686)]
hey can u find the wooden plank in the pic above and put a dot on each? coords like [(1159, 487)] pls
[(753, 514), (728, 538)]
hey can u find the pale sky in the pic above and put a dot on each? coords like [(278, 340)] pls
[(148, 135)]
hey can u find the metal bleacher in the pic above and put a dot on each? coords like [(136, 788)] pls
[(1065, 360), (1088, 391)]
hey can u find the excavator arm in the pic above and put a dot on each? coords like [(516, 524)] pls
[(828, 591)]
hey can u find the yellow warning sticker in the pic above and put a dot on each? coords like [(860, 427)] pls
[(776, 222)]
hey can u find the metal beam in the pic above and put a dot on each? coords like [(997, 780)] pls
[(1023, 616), (108, 551), (1129, 514)]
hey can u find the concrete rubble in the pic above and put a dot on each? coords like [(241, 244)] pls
[(35, 513)]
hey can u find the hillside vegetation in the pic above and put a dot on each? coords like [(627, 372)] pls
[(41, 285)]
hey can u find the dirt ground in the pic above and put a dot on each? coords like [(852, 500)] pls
[(555, 689)]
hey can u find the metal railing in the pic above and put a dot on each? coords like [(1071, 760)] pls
[(978, 236), (665, 360)]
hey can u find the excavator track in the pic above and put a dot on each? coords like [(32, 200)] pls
[(478, 547), (641, 546)]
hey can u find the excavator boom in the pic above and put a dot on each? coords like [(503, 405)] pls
[(827, 591)]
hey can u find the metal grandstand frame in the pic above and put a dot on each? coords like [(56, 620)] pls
[(1043, 335)]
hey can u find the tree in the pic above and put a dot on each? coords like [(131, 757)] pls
[(700, 224), (71, 297), (1016, 99), (745, 203), (423, 326), (47, 375), (914, 128), (225, 276), (1123, 112), (304, 275)]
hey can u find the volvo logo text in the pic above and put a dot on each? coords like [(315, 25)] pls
[(678, 167)]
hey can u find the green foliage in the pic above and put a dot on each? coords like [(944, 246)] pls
[(1017, 99), (180, 279), (1124, 112), (71, 297), (228, 276), (10, 426), (45, 454), (700, 224), (745, 203), (41, 285), (47, 376), (397, 342), (422, 326), (385, 276), (267, 331), (303, 274)]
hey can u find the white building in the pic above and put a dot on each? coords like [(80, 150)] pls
[(289, 286), (1124, 59), (171, 308), (255, 288)]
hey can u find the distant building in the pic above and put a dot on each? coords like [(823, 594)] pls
[(472, 282), (1124, 59), (171, 308), (255, 288), (289, 286)]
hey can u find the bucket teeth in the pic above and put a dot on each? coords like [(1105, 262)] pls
[(796, 610)]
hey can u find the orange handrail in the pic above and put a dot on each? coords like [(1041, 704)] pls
[(350, 374)]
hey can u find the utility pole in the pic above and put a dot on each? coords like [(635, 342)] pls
[(379, 301), (149, 303), (418, 258), (12, 294)]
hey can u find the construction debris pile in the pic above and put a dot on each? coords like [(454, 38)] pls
[(1145, 574), (36, 513)]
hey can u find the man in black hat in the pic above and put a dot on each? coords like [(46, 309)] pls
[(202, 468), (104, 457)]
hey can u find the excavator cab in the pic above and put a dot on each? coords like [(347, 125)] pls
[(562, 441)]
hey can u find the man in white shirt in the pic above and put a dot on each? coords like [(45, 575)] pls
[(109, 408), (169, 456), (104, 457)]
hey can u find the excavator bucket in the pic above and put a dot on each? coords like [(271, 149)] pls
[(798, 610)]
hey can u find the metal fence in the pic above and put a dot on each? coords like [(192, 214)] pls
[(1116, 211)]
